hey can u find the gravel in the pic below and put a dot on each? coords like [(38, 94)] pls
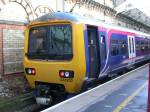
[(13, 86)]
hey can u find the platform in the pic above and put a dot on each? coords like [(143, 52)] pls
[(126, 93)]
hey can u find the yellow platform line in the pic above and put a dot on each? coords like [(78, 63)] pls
[(126, 101)]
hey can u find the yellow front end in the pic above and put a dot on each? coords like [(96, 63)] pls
[(47, 71)]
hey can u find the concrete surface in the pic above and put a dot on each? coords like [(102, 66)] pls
[(107, 97)]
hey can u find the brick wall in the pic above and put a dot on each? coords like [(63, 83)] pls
[(11, 47)]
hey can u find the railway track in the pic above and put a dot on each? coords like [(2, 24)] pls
[(23, 103), (27, 103)]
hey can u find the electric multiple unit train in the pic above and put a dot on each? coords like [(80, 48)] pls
[(65, 53)]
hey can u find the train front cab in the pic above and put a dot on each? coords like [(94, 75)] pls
[(51, 73)]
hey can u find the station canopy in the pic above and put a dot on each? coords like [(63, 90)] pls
[(138, 10)]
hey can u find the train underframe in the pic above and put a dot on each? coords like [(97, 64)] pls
[(49, 93)]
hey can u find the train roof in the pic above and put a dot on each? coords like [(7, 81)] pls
[(80, 19)]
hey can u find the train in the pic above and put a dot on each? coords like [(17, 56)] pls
[(65, 53)]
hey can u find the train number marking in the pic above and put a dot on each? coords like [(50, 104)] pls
[(66, 79)]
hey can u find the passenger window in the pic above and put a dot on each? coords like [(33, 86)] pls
[(149, 44), (133, 45), (114, 41), (130, 44), (114, 47), (123, 47), (146, 45), (114, 50), (137, 46), (142, 46)]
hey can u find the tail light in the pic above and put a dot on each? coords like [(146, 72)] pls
[(62, 74), (30, 71), (66, 74)]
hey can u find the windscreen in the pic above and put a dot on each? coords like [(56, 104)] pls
[(53, 42)]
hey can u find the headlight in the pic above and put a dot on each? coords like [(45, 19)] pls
[(30, 71)]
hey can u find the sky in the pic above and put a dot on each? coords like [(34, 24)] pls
[(142, 5), (9, 12)]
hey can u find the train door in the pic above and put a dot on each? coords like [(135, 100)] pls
[(131, 47), (93, 47)]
